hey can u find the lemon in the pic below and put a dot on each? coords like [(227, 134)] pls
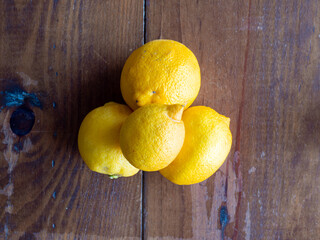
[(161, 71), (206, 146), (98, 140), (152, 136)]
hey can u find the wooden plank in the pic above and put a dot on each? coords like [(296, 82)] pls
[(282, 141), (260, 66), (208, 29), (70, 55)]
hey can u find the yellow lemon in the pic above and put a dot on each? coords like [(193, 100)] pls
[(161, 71), (152, 136), (206, 146), (98, 140)]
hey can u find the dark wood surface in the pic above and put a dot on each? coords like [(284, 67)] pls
[(260, 65), (73, 52)]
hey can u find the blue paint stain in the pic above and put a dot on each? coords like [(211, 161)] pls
[(52, 163), (56, 73), (6, 231), (54, 195), (224, 219), (16, 97), (54, 105), (17, 147), (53, 225)]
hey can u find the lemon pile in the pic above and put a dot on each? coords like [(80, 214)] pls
[(158, 131)]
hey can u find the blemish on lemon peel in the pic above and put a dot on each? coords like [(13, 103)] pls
[(15, 97)]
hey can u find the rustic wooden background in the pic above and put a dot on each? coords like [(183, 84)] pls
[(260, 65)]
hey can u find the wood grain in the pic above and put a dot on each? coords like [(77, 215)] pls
[(260, 66), (70, 54)]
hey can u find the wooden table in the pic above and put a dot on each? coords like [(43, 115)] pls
[(260, 65)]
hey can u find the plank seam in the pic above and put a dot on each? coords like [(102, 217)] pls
[(238, 134)]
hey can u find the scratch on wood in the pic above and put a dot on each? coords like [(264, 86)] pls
[(247, 228), (95, 52), (27, 145), (255, 24), (260, 202), (7, 190), (252, 170), (11, 158), (27, 81), (9, 208), (234, 187)]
